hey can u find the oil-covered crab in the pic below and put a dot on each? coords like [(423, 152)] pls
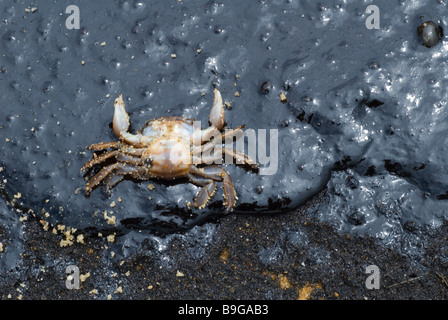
[(169, 148)]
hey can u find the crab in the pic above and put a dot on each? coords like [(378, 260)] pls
[(169, 148)]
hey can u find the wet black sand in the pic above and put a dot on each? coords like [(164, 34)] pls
[(231, 267)]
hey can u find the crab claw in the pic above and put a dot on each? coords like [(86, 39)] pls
[(217, 117), (121, 125), (121, 117)]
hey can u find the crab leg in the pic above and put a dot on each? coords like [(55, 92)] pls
[(130, 159), (132, 150), (112, 180), (229, 134), (206, 178), (205, 194), (207, 191), (229, 191), (122, 169), (103, 145), (240, 157), (212, 172), (98, 159), (215, 158), (225, 136), (96, 179), (117, 175)]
